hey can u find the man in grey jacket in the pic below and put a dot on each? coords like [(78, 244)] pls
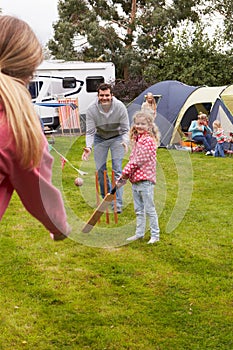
[(107, 127)]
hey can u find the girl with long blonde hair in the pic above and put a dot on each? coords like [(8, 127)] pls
[(141, 172), (25, 162), (149, 106)]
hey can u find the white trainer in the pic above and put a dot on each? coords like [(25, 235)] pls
[(153, 240), (208, 153), (134, 238)]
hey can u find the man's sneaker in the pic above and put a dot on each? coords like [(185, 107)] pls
[(213, 152), (208, 153), (134, 238), (153, 240)]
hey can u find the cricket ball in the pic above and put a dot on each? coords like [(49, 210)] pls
[(78, 181)]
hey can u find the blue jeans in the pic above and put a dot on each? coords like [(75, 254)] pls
[(206, 140), (219, 150), (143, 195), (101, 149)]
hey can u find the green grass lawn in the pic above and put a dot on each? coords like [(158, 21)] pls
[(93, 291)]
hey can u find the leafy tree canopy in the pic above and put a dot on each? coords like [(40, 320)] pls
[(192, 59), (225, 9), (120, 31), (140, 37)]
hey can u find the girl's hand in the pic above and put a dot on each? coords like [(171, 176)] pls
[(120, 182), (61, 237)]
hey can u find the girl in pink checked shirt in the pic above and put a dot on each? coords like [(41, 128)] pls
[(141, 172)]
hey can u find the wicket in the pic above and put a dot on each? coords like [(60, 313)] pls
[(105, 192)]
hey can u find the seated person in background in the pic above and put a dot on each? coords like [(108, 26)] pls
[(201, 132), (149, 106)]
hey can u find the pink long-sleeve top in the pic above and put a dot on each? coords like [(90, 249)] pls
[(142, 160), (34, 187)]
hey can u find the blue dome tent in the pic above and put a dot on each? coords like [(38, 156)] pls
[(173, 95), (178, 104)]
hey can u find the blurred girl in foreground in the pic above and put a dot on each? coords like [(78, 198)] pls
[(25, 163)]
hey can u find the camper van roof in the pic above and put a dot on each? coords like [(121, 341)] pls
[(71, 65)]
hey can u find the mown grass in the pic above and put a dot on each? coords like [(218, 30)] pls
[(94, 292)]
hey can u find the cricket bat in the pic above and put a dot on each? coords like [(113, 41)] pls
[(99, 211)]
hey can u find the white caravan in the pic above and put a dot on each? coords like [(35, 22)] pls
[(56, 80)]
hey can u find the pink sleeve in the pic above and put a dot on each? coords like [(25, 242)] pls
[(39, 196), (34, 187)]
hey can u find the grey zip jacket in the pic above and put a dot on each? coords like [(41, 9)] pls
[(107, 125)]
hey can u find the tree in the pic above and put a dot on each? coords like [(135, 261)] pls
[(193, 59), (225, 9), (124, 32), (140, 38)]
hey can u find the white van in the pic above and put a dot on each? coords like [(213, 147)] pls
[(56, 80)]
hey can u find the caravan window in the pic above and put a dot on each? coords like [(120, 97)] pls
[(34, 88), (93, 82), (69, 83)]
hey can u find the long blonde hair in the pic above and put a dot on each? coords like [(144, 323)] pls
[(153, 130), (20, 54), (147, 105)]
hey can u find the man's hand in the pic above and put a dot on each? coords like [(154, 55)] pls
[(125, 147), (86, 153)]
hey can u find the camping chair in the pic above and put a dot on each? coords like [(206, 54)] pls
[(194, 145)]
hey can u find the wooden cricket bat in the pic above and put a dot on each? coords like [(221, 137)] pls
[(99, 211)]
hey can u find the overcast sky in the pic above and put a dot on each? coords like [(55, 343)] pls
[(39, 14)]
